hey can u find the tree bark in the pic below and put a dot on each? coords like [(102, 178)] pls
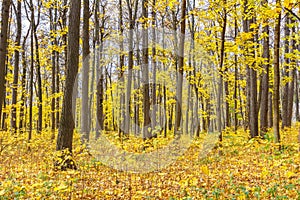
[(265, 80), (145, 72), (22, 117), (178, 111), (3, 47), (221, 74), (276, 94), (55, 63), (132, 18), (65, 135), (121, 127), (285, 91), (292, 72), (154, 64), (16, 68), (38, 70), (85, 74), (297, 96)]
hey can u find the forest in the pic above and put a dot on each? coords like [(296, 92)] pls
[(149, 99)]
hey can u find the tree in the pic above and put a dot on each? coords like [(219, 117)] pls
[(221, 73), (38, 64), (18, 12), (66, 127), (265, 79), (285, 91), (276, 96), (3, 47), (132, 12), (121, 127), (251, 73), (178, 114), (55, 63), (145, 72), (100, 76), (154, 64), (85, 75), (293, 74)]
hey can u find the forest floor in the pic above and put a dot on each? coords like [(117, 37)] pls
[(245, 169)]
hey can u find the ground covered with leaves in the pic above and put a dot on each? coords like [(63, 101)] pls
[(238, 169)]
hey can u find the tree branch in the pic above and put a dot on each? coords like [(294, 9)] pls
[(290, 11)]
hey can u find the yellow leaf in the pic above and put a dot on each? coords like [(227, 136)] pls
[(184, 182), (61, 187), (265, 172), (289, 174), (205, 170), (2, 192)]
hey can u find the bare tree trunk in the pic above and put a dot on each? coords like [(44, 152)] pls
[(132, 19), (23, 86), (121, 75), (154, 64), (285, 91), (145, 73), (265, 80), (253, 90), (53, 27), (136, 102), (39, 76), (3, 47), (276, 118), (85, 74), (4, 114), (191, 60), (16, 67), (178, 111), (58, 69), (293, 76), (100, 78), (251, 79), (297, 96), (270, 110), (31, 72), (220, 86), (227, 107), (65, 135), (235, 77)]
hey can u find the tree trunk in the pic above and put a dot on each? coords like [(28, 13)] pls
[(3, 47), (221, 75), (65, 135), (16, 68), (39, 80), (251, 79), (31, 73), (235, 76), (285, 91), (121, 127), (297, 96), (53, 60), (154, 64), (145, 73), (276, 118), (270, 109), (293, 76), (100, 80), (132, 19), (178, 111), (85, 74), (265, 80), (22, 121)]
